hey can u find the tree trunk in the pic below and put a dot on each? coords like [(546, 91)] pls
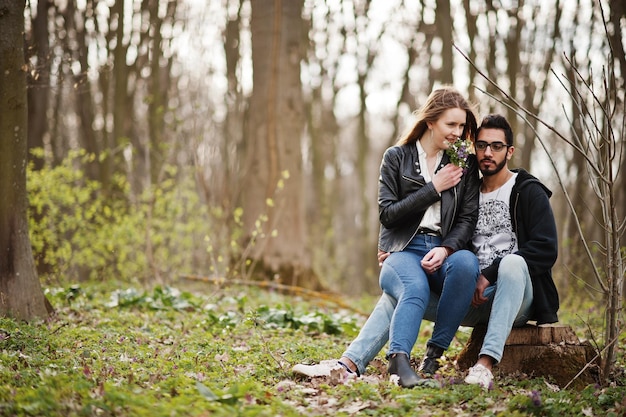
[(84, 102), (122, 120), (472, 30), (615, 269), (229, 188), (618, 13), (273, 203), (158, 86), (363, 236), (514, 70), (583, 200), (443, 21), (553, 352), (21, 295), (39, 83)]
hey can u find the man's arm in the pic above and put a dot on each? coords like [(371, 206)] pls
[(538, 241)]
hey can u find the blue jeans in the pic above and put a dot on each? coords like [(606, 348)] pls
[(509, 305), (510, 299), (403, 278)]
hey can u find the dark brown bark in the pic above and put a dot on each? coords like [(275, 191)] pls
[(515, 69), (234, 130), (553, 352), (156, 103), (472, 30), (492, 47), (158, 87), (582, 202), (85, 109), (38, 81), (21, 295), (443, 21), (274, 160), (618, 14), (122, 119), (534, 93)]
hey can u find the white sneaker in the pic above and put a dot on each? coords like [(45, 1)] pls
[(323, 368), (480, 375)]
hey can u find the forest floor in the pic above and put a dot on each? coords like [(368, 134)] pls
[(204, 350)]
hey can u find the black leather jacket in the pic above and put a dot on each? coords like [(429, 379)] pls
[(404, 196)]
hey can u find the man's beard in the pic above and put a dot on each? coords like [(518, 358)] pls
[(494, 171)]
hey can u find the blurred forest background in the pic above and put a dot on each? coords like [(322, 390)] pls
[(242, 138)]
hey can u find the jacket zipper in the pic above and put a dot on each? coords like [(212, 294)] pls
[(456, 197), (456, 204), (514, 211), (413, 181), (419, 183)]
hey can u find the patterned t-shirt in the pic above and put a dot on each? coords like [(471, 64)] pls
[(494, 237)]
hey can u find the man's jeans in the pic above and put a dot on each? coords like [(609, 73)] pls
[(510, 299)]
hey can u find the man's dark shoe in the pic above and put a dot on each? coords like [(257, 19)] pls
[(400, 365), (430, 363)]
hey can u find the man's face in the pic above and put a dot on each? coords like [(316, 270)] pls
[(490, 160)]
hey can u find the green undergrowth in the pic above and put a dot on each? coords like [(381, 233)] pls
[(228, 352)]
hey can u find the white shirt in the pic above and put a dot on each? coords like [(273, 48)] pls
[(494, 237), (432, 217)]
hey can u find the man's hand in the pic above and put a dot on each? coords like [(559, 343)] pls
[(481, 285), (447, 177)]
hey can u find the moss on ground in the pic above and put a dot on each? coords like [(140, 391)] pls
[(229, 351)]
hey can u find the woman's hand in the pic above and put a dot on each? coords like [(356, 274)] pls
[(433, 260), (447, 177), (382, 255)]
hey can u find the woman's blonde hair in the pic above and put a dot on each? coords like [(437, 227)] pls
[(440, 100)]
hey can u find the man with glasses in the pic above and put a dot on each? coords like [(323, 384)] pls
[(516, 244), (515, 241)]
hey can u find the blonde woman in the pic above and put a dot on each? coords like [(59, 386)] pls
[(428, 209)]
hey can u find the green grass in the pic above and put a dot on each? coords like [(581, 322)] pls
[(228, 352)]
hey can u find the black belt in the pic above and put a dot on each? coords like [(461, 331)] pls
[(429, 232)]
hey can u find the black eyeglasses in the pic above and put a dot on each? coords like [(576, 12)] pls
[(481, 145)]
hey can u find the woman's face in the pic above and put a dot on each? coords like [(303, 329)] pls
[(448, 127)]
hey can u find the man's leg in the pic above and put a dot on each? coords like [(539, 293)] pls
[(511, 306)]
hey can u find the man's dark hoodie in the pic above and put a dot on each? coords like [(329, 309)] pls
[(534, 225)]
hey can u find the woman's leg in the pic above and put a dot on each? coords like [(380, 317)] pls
[(403, 278), (456, 282), (374, 334)]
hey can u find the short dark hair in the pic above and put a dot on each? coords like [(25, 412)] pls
[(496, 121)]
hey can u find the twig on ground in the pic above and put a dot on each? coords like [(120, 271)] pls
[(288, 289)]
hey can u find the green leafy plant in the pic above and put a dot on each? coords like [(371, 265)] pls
[(79, 233), (119, 350)]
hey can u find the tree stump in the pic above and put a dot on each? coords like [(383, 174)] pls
[(553, 352)]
